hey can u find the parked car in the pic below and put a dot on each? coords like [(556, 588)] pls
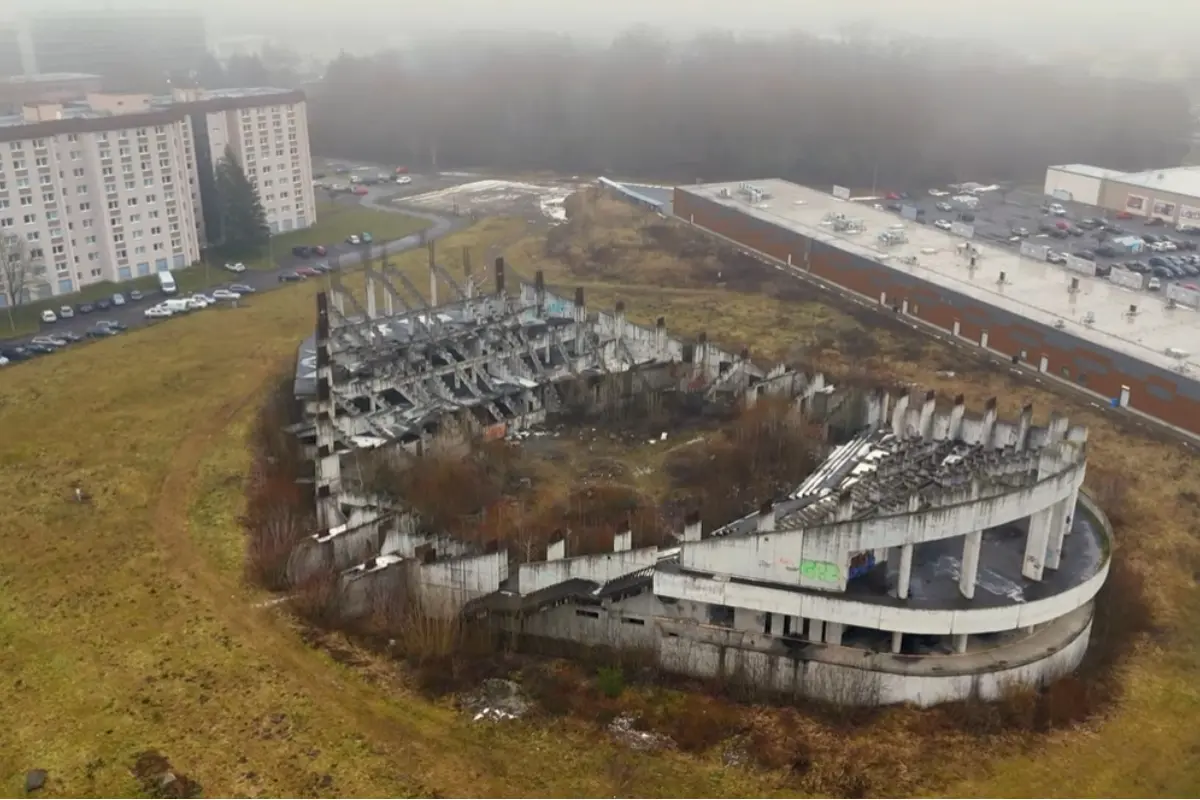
[(135, 296), (301, 251), (224, 294), (1123, 215), (100, 332), (944, 224), (17, 353), (50, 341), (366, 237), (113, 325), (319, 250), (236, 266), (70, 336), (290, 277), (1087, 254), (118, 299), (308, 272), (103, 304), (1154, 284), (322, 267), (49, 317), (158, 312), (1021, 232), (403, 180), (85, 308), (241, 288), (1107, 250), (38, 348), (360, 190), (1054, 257), (66, 312), (353, 239)]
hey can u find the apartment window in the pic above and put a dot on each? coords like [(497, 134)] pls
[(106, 171), (14, 146), (155, 231), (93, 256), (113, 205), (22, 183), (148, 181), (89, 240), (268, 198), (3, 185), (56, 233), (151, 198), (26, 199), (81, 188), (6, 222), (136, 234), (123, 151), (164, 163), (152, 214), (87, 223), (48, 197), (33, 236), (46, 180), (127, 169), (158, 245), (72, 137), (36, 252), (95, 273), (3, 202), (118, 237), (143, 149), (18, 163), (133, 201), (105, 153), (41, 161), (139, 250), (78, 172), (162, 147), (122, 253), (51, 216), (30, 219), (85, 206), (57, 249), (135, 217), (131, 185)]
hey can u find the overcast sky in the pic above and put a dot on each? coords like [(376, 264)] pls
[(1064, 23)]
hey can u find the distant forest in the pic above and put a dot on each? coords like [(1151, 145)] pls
[(721, 107)]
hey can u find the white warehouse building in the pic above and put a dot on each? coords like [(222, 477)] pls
[(934, 555), (117, 186)]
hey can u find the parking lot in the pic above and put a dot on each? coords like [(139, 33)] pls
[(1007, 217)]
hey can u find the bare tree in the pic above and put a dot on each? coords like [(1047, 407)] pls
[(16, 269)]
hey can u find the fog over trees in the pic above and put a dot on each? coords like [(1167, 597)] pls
[(716, 107)]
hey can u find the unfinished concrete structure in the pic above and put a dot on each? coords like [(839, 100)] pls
[(934, 555)]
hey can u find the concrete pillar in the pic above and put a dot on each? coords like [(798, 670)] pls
[(766, 517), (927, 409), (619, 320), (972, 544), (388, 307), (988, 429), (1043, 364), (556, 551), (1061, 516), (371, 314), (897, 641), (1124, 397), (1023, 426), (623, 541), (906, 557), (960, 642), (833, 632), (957, 328), (900, 415), (660, 336), (816, 630), (956, 418), (433, 285), (692, 528), (983, 340), (1035, 544)]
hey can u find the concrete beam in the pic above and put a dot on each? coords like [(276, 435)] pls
[(833, 633), (1062, 513)]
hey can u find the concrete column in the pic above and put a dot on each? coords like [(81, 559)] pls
[(972, 544), (833, 632), (766, 517), (900, 416), (1036, 542), (927, 410), (623, 541), (1124, 396), (371, 313), (956, 418), (897, 641), (960, 642), (692, 528), (556, 550), (906, 557), (1061, 516), (816, 630)]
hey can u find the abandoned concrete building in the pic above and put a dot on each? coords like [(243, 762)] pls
[(935, 554)]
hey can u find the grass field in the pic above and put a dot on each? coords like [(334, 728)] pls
[(125, 624), (335, 222)]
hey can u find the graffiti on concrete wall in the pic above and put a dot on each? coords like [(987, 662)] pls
[(820, 571)]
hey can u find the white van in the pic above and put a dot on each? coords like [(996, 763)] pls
[(166, 282), (176, 306)]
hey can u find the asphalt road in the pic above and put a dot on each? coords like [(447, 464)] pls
[(340, 256)]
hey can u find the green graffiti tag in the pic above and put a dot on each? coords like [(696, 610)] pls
[(820, 571)]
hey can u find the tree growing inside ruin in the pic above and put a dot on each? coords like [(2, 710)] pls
[(243, 222)]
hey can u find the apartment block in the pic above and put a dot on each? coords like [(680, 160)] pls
[(119, 186)]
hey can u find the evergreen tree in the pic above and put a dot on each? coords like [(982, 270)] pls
[(243, 223)]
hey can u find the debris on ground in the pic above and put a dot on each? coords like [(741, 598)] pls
[(624, 731), (497, 700), (158, 779), (35, 779)]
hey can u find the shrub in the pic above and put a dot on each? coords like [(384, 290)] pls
[(610, 681)]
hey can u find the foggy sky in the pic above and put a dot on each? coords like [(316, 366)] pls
[(1031, 25)]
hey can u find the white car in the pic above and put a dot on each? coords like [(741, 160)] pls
[(66, 312), (353, 239), (51, 341), (1154, 284), (403, 180), (199, 301), (938, 193), (3, 361), (944, 224), (1057, 210), (225, 294), (237, 267), (118, 299), (158, 312)]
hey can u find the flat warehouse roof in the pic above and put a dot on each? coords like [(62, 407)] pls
[(1033, 289)]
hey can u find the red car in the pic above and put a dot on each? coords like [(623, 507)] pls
[(307, 272), (1124, 215), (359, 190)]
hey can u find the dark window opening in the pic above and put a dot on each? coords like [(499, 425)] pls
[(579, 612), (720, 615), (632, 621), (767, 622), (787, 624)]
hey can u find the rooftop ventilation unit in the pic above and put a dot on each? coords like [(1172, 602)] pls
[(1089, 319), (725, 192)]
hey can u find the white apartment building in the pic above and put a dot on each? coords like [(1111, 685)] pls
[(116, 187)]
